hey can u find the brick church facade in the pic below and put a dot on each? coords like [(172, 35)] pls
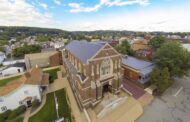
[(93, 69)]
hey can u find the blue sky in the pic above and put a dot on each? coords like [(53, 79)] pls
[(137, 15)]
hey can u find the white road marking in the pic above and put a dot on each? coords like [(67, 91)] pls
[(175, 95)]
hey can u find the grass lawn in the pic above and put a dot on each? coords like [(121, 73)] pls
[(53, 74), (5, 81), (48, 112), (64, 109), (20, 119)]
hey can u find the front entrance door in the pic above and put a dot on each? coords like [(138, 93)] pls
[(29, 103), (105, 88)]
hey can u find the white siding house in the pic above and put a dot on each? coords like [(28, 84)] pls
[(13, 69), (186, 46), (21, 96), (58, 45), (2, 57), (10, 62), (24, 90)]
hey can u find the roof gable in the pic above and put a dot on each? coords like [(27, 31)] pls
[(106, 50)]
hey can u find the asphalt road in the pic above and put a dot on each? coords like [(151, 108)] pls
[(172, 106)]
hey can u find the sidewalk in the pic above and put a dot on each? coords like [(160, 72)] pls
[(39, 107), (27, 115)]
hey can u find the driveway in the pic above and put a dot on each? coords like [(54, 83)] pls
[(172, 106)]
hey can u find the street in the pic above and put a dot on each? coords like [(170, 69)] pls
[(172, 106)]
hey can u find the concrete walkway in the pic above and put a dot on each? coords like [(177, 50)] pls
[(146, 99), (39, 107), (27, 115), (57, 84)]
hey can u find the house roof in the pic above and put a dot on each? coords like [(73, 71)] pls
[(84, 50), (34, 77), (40, 55), (135, 63), (2, 53), (19, 64)]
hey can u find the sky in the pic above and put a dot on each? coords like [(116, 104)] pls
[(89, 15)]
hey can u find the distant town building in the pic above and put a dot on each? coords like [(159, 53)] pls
[(139, 44), (175, 37), (58, 45), (186, 46), (94, 68), (23, 90), (45, 59), (113, 43), (145, 54)]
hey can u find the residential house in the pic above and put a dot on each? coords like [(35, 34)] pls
[(58, 45), (11, 61), (13, 69), (2, 57), (23, 90), (186, 46), (145, 54), (113, 43), (94, 68), (136, 70), (140, 44), (45, 59)]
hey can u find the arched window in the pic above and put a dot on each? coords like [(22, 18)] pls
[(105, 67)]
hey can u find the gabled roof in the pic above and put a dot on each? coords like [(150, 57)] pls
[(84, 50)]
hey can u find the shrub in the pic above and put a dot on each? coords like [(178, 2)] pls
[(21, 109), (35, 103), (17, 112), (19, 119), (12, 115), (2, 119), (6, 114)]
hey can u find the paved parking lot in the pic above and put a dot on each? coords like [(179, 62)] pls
[(173, 106)]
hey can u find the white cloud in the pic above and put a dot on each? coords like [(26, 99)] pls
[(21, 13), (45, 6), (58, 2), (77, 7), (172, 19)]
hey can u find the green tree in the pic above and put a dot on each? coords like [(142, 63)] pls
[(157, 42), (21, 51), (43, 38), (173, 56), (124, 48), (161, 79)]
